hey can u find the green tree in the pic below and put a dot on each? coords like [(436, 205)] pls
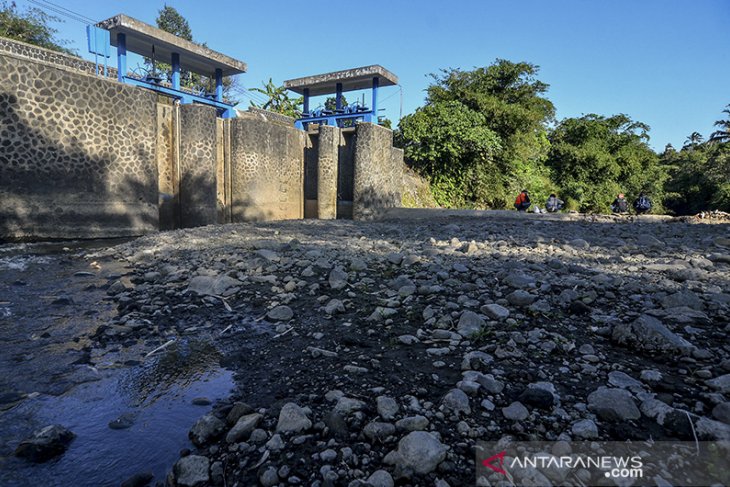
[(722, 135), (278, 100), (172, 21), (31, 25), (331, 103), (693, 140), (505, 101), (594, 157)]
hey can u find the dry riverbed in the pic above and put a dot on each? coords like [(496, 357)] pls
[(368, 354)]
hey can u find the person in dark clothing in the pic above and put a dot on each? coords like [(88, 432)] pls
[(620, 205), (522, 203), (554, 204), (642, 204)]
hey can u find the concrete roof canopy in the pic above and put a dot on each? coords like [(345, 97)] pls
[(142, 37), (351, 79)]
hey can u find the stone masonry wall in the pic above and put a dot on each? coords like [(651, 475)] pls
[(35, 53), (75, 159), (267, 170), (327, 157), (198, 156), (377, 173)]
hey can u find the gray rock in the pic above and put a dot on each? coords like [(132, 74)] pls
[(358, 265), (387, 407), (281, 313), (456, 401), (682, 298), (408, 339), (412, 423), (521, 298), (470, 324), (651, 376), (519, 281), (380, 478), (334, 306), (337, 278), (292, 419), (45, 444), (648, 333), (213, 286), (515, 411), (476, 360), (243, 428), (421, 452), (192, 471), (613, 404), (269, 477), (206, 429), (721, 412), (624, 381), (721, 384), (329, 455), (488, 405), (347, 405), (495, 311), (378, 431), (276, 443), (585, 429)]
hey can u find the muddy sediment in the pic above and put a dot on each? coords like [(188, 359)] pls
[(351, 341)]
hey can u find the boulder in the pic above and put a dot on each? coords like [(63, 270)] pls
[(292, 419), (45, 444), (613, 404), (419, 451), (648, 333), (469, 324), (192, 471)]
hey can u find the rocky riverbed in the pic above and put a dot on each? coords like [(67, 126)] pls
[(380, 353)]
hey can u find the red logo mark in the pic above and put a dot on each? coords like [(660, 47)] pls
[(489, 463)]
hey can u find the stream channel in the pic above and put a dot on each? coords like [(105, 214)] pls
[(51, 300)]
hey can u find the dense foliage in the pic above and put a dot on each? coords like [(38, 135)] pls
[(593, 158), (278, 100), (31, 25), (483, 135)]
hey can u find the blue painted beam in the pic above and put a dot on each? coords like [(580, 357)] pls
[(218, 85), (338, 96), (306, 100), (183, 96), (121, 57), (175, 71), (374, 116)]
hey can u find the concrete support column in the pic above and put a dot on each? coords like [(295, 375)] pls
[(376, 180), (121, 56), (198, 165), (175, 70), (327, 156)]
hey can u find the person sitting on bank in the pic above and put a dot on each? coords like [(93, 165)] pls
[(522, 203), (642, 204), (554, 204), (620, 205)]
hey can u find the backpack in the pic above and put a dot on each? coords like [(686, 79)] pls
[(643, 204)]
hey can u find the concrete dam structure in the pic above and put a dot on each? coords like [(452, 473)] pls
[(85, 156)]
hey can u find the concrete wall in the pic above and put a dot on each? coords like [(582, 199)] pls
[(76, 160), (267, 170), (345, 173), (378, 171), (83, 156), (198, 165), (327, 159)]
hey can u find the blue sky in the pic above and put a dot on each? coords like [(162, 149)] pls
[(663, 62)]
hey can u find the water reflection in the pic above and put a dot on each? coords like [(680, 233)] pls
[(157, 399)]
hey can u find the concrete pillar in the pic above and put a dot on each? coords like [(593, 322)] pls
[(376, 182), (327, 153), (198, 165)]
